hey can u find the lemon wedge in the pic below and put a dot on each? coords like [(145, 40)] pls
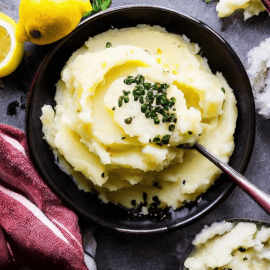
[(11, 49)]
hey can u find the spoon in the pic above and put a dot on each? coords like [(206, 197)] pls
[(266, 4), (260, 196)]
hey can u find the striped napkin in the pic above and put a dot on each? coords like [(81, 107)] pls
[(36, 229)]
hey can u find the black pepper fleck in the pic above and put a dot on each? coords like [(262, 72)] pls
[(145, 199), (133, 202)]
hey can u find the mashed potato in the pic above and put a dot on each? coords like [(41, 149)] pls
[(125, 101), (225, 245), (251, 7), (257, 70)]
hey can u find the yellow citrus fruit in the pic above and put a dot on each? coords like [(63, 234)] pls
[(46, 21), (11, 50)]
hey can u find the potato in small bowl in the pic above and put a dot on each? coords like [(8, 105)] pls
[(232, 244)]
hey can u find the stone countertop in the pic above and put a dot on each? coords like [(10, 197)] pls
[(161, 251)]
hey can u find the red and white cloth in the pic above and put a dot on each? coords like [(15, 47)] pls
[(36, 229)]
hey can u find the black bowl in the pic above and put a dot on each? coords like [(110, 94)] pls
[(220, 57), (191, 248)]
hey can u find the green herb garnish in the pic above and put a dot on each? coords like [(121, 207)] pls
[(98, 5), (223, 90), (128, 120), (171, 127), (108, 44), (120, 101), (154, 103)]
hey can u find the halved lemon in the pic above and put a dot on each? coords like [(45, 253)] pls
[(11, 49)]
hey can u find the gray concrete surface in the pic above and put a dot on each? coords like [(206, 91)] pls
[(164, 251)]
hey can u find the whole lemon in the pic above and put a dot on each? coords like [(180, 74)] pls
[(46, 21)]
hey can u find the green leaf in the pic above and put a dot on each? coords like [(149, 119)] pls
[(98, 5), (95, 5), (208, 1), (88, 13), (106, 4)]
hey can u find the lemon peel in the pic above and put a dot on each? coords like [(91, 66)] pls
[(11, 49), (46, 21)]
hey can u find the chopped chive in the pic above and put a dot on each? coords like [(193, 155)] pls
[(157, 138), (129, 80), (120, 101), (156, 121), (223, 90), (139, 79), (166, 107), (165, 139), (153, 98), (128, 120), (143, 108), (147, 111), (171, 127), (147, 86), (113, 108), (126, 93), (108, 44), (165, 119)]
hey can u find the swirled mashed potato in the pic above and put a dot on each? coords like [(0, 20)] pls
[(125, 101), (224, 245), (251, 7)]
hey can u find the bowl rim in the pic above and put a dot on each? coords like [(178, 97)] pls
[(74, 207)]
